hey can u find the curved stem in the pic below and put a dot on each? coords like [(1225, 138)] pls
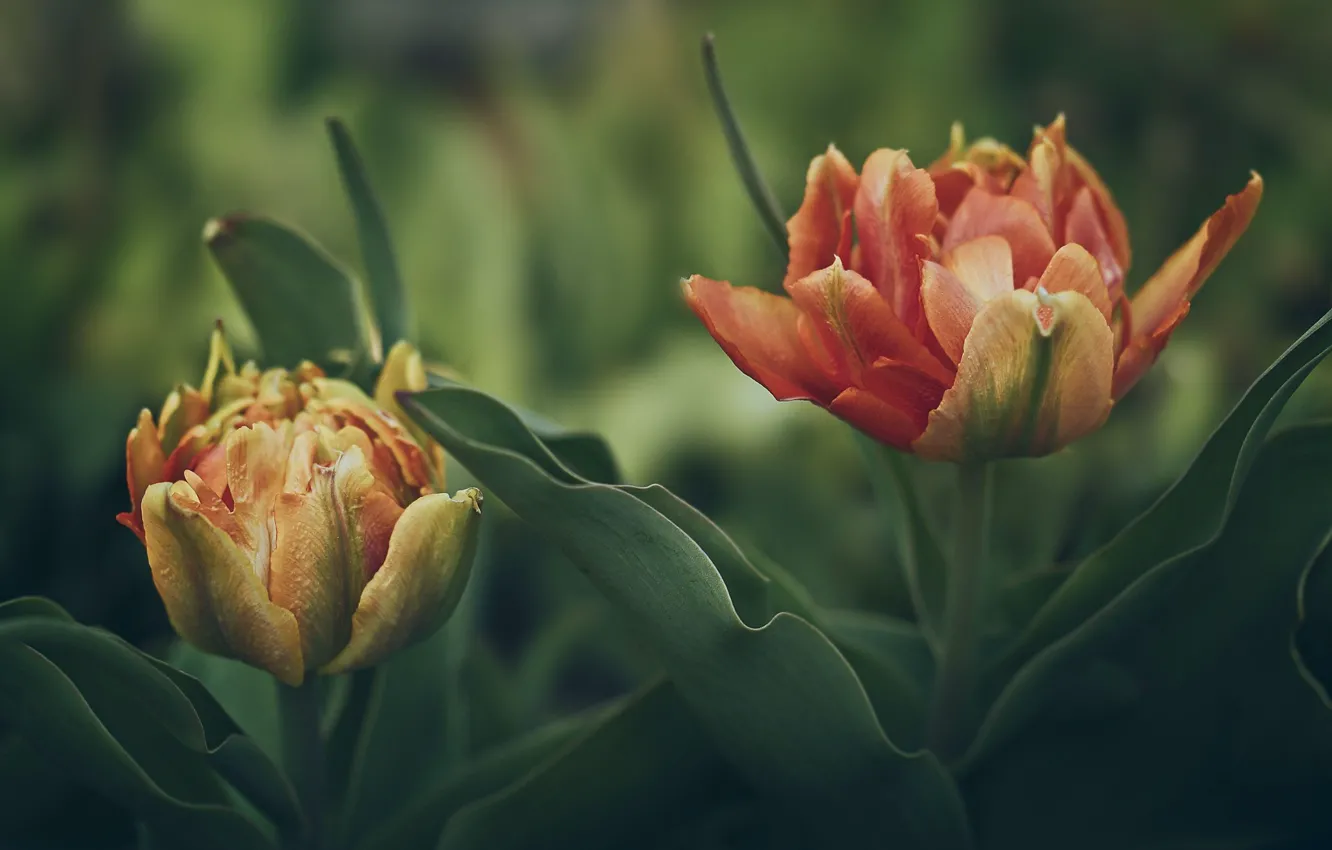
[(303, 755), (765, 202), (952, 685)]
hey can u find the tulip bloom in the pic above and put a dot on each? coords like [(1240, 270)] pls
[(971, 310), (294, 523)]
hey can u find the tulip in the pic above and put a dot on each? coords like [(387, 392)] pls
[(293, 522), (971, 310)]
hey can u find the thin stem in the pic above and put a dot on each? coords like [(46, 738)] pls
[(952, 685), (303, 755), (770, 212)]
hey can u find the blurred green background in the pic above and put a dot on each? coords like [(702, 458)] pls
[(550, 169)]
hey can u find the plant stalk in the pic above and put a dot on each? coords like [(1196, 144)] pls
[(962, 604), (303, 756)]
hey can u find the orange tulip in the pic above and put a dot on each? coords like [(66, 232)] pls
[(293, 522), (971, 310)]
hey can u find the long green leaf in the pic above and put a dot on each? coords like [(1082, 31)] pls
[(1189, 516), (1174, 717), (302, 302), (780, 700), (388, 299), (643, 767), (105, 715)]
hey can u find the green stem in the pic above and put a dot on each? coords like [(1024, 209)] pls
[(765, 202), (303, 755), (952, 685)]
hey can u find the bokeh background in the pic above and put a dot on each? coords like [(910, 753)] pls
[(550, 170)]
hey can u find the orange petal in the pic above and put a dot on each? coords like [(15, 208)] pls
[(760, 332), (1142, 352), (1184, 273), (895, 212), (1115, 227), (954, 292), (1035, 375), (856, 324), (905, 388), (256, 470), (984, 214), (1042, 183), (876, 417), (816, 230), (1072, 269), (144, 466), (1085, 227)]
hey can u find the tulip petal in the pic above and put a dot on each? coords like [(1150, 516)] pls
[(144, 466), (1115, 227), (875, 417), (760, 332), (405, 370), (1184, 273), (420, 583), (213, 597), (895, 210), (815, 232), (1157, 306), (256, 458), (1035, 375), (906, 388), (1073, 269), (369, 512), (1084, 227), (308, 575), (954, 292), (857, 325), (1017, 221)]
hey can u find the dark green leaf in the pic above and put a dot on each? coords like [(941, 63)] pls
[(780, 700), (108, 717), (403, 736), (1174, 717), (1311, 642), (639, 768), (302, 303), (388, 300), (1190, 515)]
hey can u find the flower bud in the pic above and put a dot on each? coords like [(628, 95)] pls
[(293, 522)]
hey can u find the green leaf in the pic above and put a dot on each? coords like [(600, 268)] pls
[(402, 741), (1174, 717), (106, 715), (302, 302), (641, 767), (1189, 515), (388, 300), (780, 700), (922, 559), (1311, 640), (895, 663)]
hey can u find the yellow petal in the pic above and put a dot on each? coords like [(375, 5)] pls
[(419, 585), (208, 585), (1035, 375), (404, 370), (219, 355)]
